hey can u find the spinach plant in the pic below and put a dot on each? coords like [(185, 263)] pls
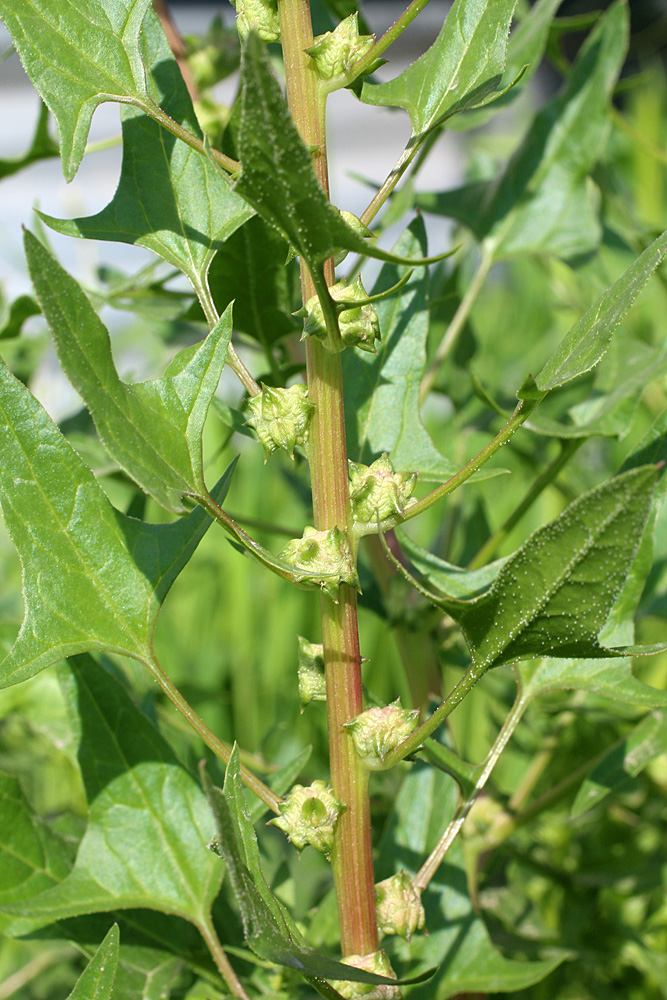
[(392, 399)]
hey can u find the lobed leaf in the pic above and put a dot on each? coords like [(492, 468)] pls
[(382, 391), (97, 979), (148, 827), (553, 596), (647, 741), (93, 578), (152, 429), (79, 54), (461, 70), (170, 198)]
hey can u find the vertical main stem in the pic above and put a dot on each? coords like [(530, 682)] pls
[(352, 858)]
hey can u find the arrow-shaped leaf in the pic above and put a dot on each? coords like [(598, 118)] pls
[(553, 596), (93, 578), (148, 828), (460, 71), (170, 198), (78, 54), (152, 429), (97, 979)]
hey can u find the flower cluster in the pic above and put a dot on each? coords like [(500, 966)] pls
[(260, 16), (308, 816), (312, 685), (398, 906), (324, 557), (358, 324), (281, 417), (378, 963), (378, 731), (337, 51), (377, 492)]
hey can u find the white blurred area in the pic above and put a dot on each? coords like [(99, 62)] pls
[(362, 139)]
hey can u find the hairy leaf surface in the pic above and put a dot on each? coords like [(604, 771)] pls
[(149, 824), (93, 578), (553, 596), (170, 198), (461, 70), (152, 429)]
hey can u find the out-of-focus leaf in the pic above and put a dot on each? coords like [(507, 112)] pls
[(42, 147), (149, 825), (268, 927), (93, 578), (545, 201), (461, 70), (553, 595), (457, 939), (453, 580), (97, 980), (647, 741), (78, 61), (152, 429), (170, 198), (13, 318), (382, 391), (589, 338)]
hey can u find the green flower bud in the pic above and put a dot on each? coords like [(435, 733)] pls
[(378, 963), (312, 686), (378, 731), (281, 417), (376, 491), (260, 16), (399, 907), (337, 51), (308, 816), (358, 326), (326, 553)]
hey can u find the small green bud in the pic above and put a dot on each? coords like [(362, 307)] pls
[(308, 816), (378, 731), (377, 492), (312, 686), (399, 907), (281, 417), (336, 51), (260, 16), (358, 326), (323, 552), (378, 963)]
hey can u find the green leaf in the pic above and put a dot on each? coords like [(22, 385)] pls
[(32, 856), (170, 198), (278, 178), (152, 429), (647, 741), (448, 579), (42, 147), (97, 980), (610, 678), (148, 828), (554, 594), (461, 70), (21, 309), (457, 938), (382, 391), (268, 927), (93, 578), (78, 54), (589, 338)]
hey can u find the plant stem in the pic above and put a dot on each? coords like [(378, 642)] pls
[(352, 859), (432, 863), (490, 547), (219, 748), (229, 166), (232, 359), (207, 931), (457, 323)]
